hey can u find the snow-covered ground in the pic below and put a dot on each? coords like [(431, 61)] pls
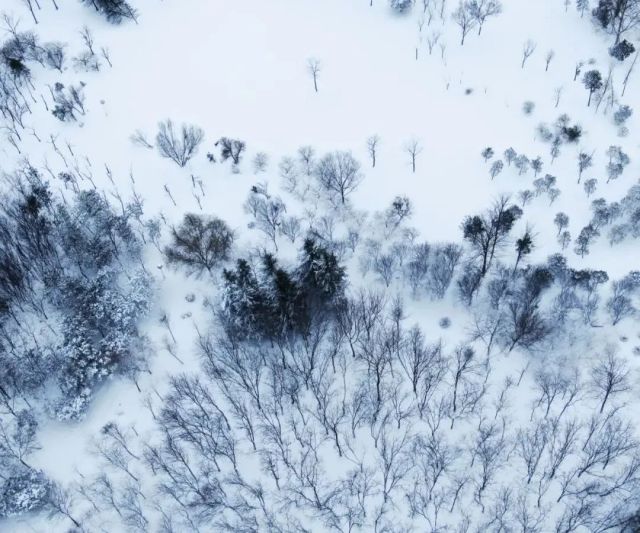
[(239, 69)]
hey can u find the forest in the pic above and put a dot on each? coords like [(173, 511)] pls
[(289, 266)]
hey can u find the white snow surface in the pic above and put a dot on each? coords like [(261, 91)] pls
[(239, 69)]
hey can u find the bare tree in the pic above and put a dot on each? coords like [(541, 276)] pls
[(314, 66), (465, 364), (489, 450), (18, 439), (481, 10), (372, 147), (393, 461), (561, 445), (528, 48), (29, 4), (307, 156), (61, 502), (547, 60), (531, 444), (199, 243), (339, 173), (610, 376), (413, 148), (179, 148), (463, 18), (628, 74), (139, 138)]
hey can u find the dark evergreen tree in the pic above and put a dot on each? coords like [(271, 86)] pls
[(593, 82), (320, 275), (244, 305), (622, 50), (524, 246), (486, 233)]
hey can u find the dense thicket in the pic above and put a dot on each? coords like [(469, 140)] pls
[(115, 11), (69, 298), (271, 301)]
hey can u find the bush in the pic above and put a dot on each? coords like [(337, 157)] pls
[(622, 50), (23, 492), (231, 148), (400, 5), (444, 322), (622, 114)]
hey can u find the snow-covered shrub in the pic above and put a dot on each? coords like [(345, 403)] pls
[(231, 149), (71, 256), (622, 114), (69, 102), (260, 162), (400, 6), (23, 492), (100, 334), (622, 50)]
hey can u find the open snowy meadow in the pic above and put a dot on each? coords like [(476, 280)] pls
[(319, 265)]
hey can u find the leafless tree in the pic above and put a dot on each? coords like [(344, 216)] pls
[(528, 48), (233, 364), (190, 481), (490, 451), (372, 147), (179, 149), (432, 40), (61, 502), (419, 360), (413, 148), (106, 55), (385, 266), (314, 66), (268, 213), (465, 364), (307, 156), (190, 413), (393, 460), (552, 384), (139, 138), (562, 444), (445, 259), (557, 95), (18, 438), (481, 10), (339, 173), (463, 18), (231, 149), (132, 510), (610, 376), (628, 74), (548, 58), (531, 444), (611, 440), (29, 4)]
